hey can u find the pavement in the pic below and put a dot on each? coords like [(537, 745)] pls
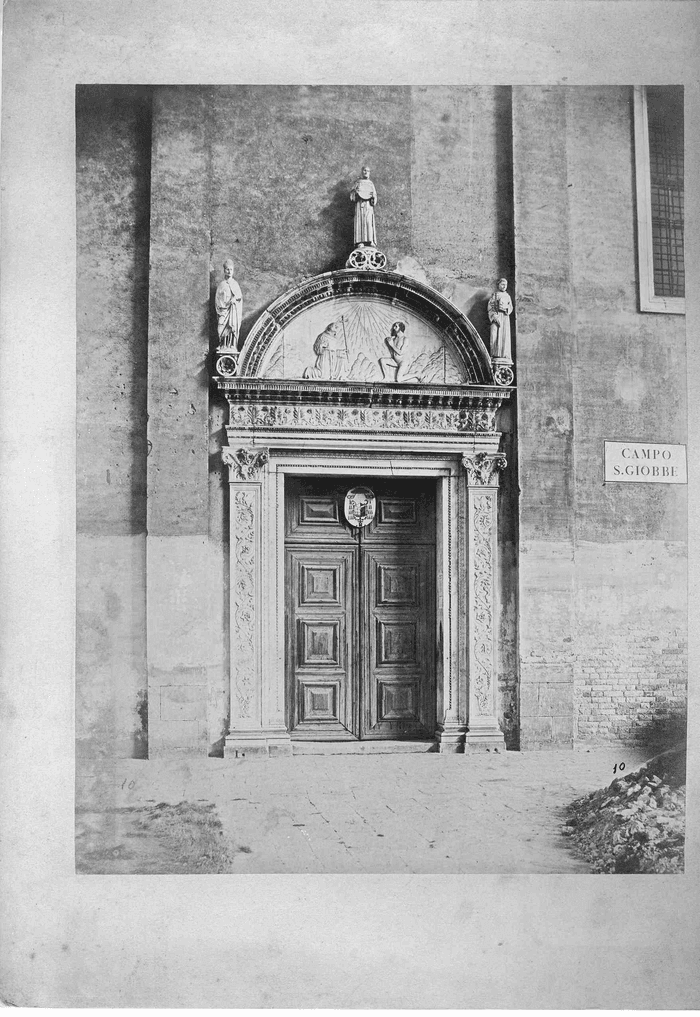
[(378, 813)]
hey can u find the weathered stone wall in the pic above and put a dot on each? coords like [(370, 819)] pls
[(629, 374), (188, 687), (602, 567), (113, 188), (471, 187), (461, 242), (283, 161)]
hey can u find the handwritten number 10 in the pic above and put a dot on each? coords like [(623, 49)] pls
[(621, 767)]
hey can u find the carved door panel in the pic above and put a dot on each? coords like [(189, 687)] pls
[(398, 667), (360, 612), (320, 659)]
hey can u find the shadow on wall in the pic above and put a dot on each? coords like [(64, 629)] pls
[(216, 749), (472, 302), (337, 219), (140, 736), (663, 732)]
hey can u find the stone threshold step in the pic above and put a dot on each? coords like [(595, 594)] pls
[(313, 748)]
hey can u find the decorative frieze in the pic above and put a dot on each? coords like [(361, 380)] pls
[(377, 419), (483, 468), (245, 462)]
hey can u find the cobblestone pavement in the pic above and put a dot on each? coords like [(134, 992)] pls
[(419, 813)]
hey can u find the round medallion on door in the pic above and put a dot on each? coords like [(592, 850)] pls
[(360, 506)]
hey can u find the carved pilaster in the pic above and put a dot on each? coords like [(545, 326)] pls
[(482, 494), (244, 463), (256, 710), (245, 614)]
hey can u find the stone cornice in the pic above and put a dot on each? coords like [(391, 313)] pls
[(291, 406), (263, 390)]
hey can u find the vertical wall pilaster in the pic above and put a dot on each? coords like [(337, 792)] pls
[(545, 308), (482, 501), (184, 568)]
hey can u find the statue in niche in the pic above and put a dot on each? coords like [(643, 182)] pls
[(397, 345), (364, 196), (228, 302), (331, 355), (500, 307)]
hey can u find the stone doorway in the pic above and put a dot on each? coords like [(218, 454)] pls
[(293, 420), (360, 640)]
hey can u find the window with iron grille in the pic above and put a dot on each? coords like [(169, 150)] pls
[(658, 117)]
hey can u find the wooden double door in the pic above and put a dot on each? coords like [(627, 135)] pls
[(360, 610)]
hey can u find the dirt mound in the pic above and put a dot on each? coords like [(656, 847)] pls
[(637, 823)]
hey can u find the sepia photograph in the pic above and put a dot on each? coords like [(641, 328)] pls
[(350, 521), (381, 497)]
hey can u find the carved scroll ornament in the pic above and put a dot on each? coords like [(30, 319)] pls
[(482, 592), (483, 467), (243, 591), (245, 462)]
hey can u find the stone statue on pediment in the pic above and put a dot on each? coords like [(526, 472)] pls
[(500, 308), (228, 302), (364, 196)]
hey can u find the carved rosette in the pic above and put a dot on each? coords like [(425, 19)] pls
[(227, 363), (244, 463), (367, 258), (503, 375), (483, 468), (243, 649), (482, 600)]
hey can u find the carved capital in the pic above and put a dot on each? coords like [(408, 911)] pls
[(483, 467), (245, 462)]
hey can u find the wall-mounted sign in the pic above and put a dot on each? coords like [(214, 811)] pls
[(642, 462)]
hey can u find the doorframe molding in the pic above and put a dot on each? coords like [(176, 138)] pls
[(465, 468)]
